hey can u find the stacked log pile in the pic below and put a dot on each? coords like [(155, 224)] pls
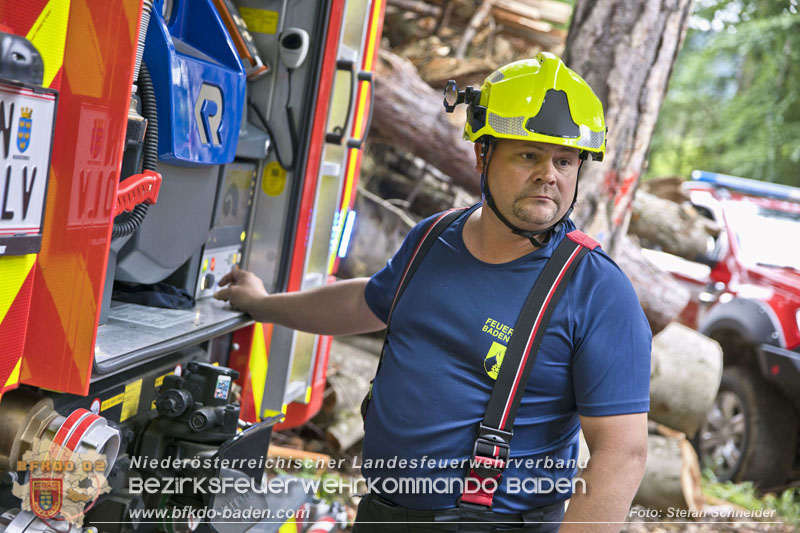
[(465, 39)]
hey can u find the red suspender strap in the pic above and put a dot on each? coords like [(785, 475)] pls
[(491, 449)]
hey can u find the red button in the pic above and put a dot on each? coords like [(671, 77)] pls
[(213, 262)]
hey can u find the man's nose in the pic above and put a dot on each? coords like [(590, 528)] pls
[(545, 172)]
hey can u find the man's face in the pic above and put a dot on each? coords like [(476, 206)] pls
[(532, 182)]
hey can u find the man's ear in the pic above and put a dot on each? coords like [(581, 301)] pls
[(478, 161)]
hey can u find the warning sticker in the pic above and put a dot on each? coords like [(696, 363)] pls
[(260, 20), (130, 403), (151, 317), (273, 179), (111, 402)]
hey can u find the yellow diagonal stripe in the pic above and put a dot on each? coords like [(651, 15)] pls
[(290, 526), (13, 379), (49, 34), (258, 367), (13, 271)]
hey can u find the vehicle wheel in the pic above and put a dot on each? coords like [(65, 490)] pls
[(750, 433)]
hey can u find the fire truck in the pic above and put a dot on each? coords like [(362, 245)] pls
[(746, 296), (149, 147)]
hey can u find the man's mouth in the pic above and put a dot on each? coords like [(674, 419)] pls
[(539, 197)]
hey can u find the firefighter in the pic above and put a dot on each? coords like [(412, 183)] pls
[(534, 123)]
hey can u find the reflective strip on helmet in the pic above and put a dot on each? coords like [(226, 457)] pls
[(508, 125), (497, 76), (591, 139)]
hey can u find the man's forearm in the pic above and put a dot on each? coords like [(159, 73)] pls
[(335, 309), (612, 479)]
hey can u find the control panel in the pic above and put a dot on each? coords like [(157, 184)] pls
[(216, 263)]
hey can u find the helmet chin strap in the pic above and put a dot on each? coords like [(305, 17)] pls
[(486, 157)]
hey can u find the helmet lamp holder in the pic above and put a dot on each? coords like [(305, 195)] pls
[(453, 96)]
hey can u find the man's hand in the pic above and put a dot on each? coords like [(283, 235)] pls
[(245, 291), (334, 309)]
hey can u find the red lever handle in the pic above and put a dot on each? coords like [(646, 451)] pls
[(137, 189)]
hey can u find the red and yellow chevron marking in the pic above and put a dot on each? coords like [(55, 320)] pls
[(44, 24), (251, 360), (16, 282), (258, 364), (49, 35), (290, 526)]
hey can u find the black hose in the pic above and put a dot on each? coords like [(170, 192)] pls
[(127, 223), (293, 140)]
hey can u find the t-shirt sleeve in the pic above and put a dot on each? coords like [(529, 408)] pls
[(382, 286), (611, 363)]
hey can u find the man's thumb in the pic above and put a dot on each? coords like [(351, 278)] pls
[(223, 294)]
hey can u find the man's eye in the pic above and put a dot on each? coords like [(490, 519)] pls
[(564, 162), (529, 156)]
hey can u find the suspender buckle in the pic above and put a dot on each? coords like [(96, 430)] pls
[(490, 452), (487, 464)]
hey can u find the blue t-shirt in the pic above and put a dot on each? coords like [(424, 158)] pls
[(448, 335)]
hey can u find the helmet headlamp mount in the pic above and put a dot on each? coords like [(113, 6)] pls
[(453, 97)]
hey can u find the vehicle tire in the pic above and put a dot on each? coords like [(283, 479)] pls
[(750, 434)]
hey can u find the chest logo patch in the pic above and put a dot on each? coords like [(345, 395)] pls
[(494, 359)]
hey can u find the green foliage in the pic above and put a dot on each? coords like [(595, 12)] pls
[(786, 506), (733, 104)]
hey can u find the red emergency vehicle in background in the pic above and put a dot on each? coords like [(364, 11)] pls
[(148, 148), (746, 296)]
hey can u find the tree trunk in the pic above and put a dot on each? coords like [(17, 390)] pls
[(625, 50), (409, 113)]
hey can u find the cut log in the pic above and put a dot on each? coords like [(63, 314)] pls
[(672, 475), (667, 188), (660, 295), (346, 431), (558, 12), (685, 374), (409, 113), (677, 229), (519, 7), (319, 460)]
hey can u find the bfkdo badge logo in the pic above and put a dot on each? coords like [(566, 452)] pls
[(24, 128), (46, 496), (493, 359)]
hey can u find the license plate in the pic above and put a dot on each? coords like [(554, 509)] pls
[(27, 116)]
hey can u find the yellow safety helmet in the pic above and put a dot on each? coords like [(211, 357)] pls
[(537, 99)]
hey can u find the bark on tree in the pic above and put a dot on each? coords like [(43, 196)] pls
[(625, 50)]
